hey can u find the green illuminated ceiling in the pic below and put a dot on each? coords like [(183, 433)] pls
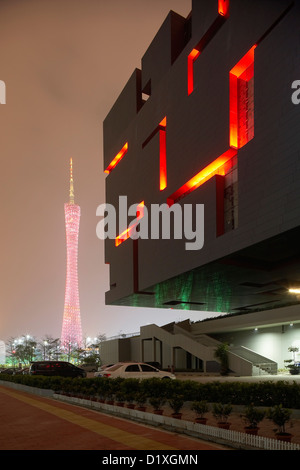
[(256, 278)]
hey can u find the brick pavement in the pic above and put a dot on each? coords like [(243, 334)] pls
[(30, 422)]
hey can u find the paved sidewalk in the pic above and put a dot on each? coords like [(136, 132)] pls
[(30, 422)]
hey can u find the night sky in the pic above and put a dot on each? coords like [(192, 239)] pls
[(64, 63)]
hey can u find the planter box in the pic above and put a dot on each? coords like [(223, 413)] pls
[(224, 425), (141, 408), (201, 420), (286, 437), (249, 430), (176, 415)]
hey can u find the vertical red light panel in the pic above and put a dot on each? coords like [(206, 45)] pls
[(191, 59), (223, 7), (162, 155), (161, 130), (241, 112)]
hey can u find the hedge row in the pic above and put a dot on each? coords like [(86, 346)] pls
[(265, 393)]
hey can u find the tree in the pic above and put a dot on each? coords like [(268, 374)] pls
[(49, 348), (22, 350), (221, 353), (91, 353), (294, 350)]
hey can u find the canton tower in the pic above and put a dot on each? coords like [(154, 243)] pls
[(71, 334)]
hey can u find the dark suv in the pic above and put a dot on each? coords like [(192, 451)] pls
[(56, 368)]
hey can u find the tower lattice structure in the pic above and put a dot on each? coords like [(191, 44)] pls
[(71, 335)]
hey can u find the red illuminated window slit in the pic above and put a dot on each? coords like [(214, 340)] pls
[(241, 99), (127, 233), (217, 167), (223, 14), (161, 129), (162, 155), (191, 59), (117, 158), (223, 8)]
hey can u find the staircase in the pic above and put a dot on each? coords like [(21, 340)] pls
[(242, 361), (260, 365)]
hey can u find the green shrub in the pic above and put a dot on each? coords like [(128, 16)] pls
[(266, 393), (157, 402), (200, 408), (280, 416), (176, 403), (253, 416), (222, 411)]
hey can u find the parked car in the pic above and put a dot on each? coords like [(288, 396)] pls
[(101, 369), (56, 368), (137, 370)]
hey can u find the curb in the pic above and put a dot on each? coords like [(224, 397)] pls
[(48, 393)]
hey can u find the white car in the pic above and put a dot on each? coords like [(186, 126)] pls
[(101, 369), (135, 370)]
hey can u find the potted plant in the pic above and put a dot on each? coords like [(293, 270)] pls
[(280, 416), (129, 400), (221, 412), (109, 395), (141, 399), (93, 394), (200, 407), (104, 392), (252, 417), (291, 363), (120, 398), (294, 350), (294, 369), (130, 388), (157, 403), (176, 403)]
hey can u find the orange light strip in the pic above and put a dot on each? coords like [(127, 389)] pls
[(161, 130), (126, 233), (223, 8), (191, 59), (214, 168), (244, 63), (162, 155), (235, 73), (117, 159)]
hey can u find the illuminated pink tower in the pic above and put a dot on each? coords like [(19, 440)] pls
[(71, 328)]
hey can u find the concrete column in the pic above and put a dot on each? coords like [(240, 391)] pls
[(173, 365), (142, 350), (154, 348)]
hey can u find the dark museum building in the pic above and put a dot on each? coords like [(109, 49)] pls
[(212, 119)]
